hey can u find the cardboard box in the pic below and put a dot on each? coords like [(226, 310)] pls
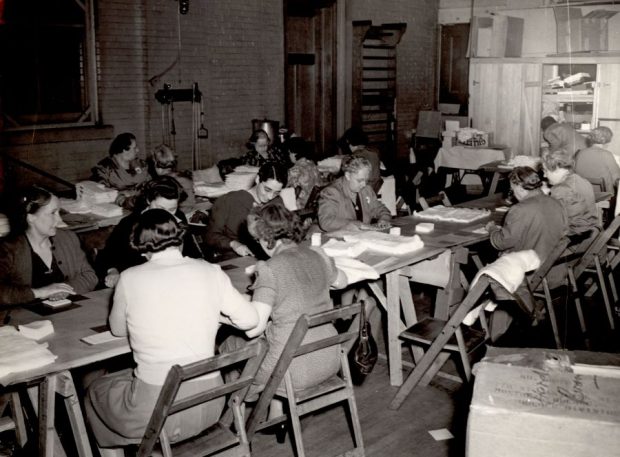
[(497, 36), (543, 409), (577, 33)]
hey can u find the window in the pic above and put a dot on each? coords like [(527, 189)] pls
[(47, 63)]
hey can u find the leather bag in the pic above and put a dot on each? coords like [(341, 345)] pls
[(363, 354)]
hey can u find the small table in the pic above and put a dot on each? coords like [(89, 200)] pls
[(461, 160)]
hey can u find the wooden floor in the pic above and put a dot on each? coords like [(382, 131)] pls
[(400, 433)]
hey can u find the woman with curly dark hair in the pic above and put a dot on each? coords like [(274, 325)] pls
[(295, 280)]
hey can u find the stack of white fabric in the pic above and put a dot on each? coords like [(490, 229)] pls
[(242, 178), (106, 210), (93, 193), (75, 206), (386, 243), (21, 353)]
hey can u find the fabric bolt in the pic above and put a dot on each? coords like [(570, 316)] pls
[(336, 207), (16, 266)]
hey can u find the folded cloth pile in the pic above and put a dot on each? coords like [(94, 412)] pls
[(386, 243), (210, 189), (240, 180), (339, 248), (21, 353), (509, 271), (355, 270), (106, 210)]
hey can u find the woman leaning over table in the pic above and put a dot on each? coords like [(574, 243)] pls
[(576, 195), (122, 170), (295, 280), (163, 192), (349, 203), (170, 308), (227, 233), (537, 221), (39, 260), (597, 162)]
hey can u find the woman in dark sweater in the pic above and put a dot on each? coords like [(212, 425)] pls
[(163, 192)]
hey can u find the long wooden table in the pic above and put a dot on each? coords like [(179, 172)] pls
[(70, 326)]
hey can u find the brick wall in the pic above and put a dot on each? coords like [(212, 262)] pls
[(416, 56)]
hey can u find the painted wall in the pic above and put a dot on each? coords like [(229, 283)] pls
[(539, 33)]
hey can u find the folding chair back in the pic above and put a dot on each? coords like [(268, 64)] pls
[(439, 343), (220, 439), (336, 389), (440, 198)]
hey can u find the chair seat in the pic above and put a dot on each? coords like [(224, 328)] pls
[(428, 329), (330, 385), (216, 438)]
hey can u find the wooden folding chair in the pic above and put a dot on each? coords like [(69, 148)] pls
[(219, 439), (441, 337), (338, 388), (441, 197)]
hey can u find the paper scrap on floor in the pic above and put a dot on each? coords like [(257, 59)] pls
[(441, 434)]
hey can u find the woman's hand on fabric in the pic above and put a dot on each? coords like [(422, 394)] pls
[(112, 277), (491, 226), (240, 248), (54, 291), (382, 225)]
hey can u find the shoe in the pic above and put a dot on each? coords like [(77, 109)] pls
[(279, 430)]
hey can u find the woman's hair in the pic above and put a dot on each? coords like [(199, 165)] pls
[(355, 136), (161, 186), (162, 157), (155, 231), (29, 201), (546, 122), (273, 170), (121, 143), (273, 222), (260, 133), (525, 177), (600, 135), (560, 158), (353, 164)]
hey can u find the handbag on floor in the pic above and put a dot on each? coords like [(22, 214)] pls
[(363, 354)]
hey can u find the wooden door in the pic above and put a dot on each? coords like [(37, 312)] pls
[(454, 66), (505, 99), (310, 40), (607, 102)]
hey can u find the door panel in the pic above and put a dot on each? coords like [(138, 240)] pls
[(454, 65)]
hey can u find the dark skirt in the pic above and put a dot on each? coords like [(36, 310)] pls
[(119, 406)]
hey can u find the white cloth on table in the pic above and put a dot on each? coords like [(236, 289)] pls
[(509, 271), (467, 158), (355, 270), (386, 243), (21, 353), (339, 248)]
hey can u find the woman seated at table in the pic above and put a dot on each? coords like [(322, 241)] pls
[(163, 162), (170, 308), (355, 142), (576, 195), (261, 150), (227, 233), (536, 222), (295, 280), (595, 162), (39, 260), (122, 170), (163, 192), (349, 203)]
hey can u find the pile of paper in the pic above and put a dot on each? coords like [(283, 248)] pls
[(93, 192), (210, 189), (21, 353), (37, 329), (242, 178), (74, 206)]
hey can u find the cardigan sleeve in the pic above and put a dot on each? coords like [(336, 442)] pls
[(78, 272), (509, 234), (330, 214), (14, 288)]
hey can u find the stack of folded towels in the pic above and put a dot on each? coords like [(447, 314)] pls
[(21, 353)]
